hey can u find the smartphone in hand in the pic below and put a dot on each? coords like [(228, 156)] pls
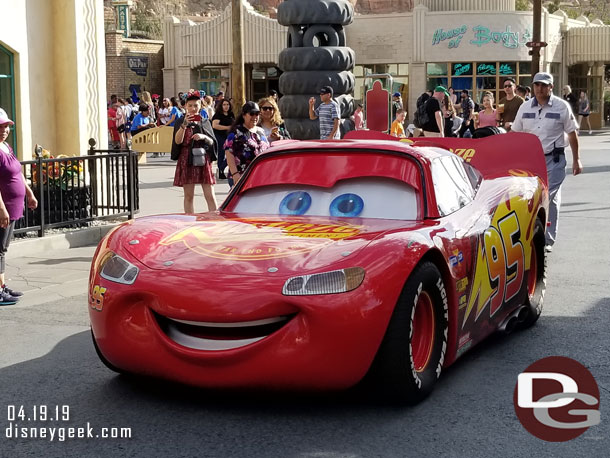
[(196, 118)]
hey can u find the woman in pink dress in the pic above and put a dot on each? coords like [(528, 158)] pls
[(193, 131), (487, 116)]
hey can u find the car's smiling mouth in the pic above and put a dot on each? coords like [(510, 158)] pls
[(217, 336)]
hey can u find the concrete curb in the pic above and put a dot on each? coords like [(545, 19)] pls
[(75, 239)]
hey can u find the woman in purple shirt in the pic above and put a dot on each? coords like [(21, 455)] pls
[(13, 189)]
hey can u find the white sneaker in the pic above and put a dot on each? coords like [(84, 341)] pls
[(590, 132)]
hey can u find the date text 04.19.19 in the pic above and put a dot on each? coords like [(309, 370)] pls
[(38, 413)]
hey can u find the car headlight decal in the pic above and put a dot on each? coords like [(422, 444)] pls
[(119, 270), (336, 281)]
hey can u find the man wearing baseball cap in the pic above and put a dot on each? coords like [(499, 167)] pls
[(396, 104), (436, 121), (550, 118), (328, 113)]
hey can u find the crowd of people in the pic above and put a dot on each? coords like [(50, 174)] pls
[(207, 129)]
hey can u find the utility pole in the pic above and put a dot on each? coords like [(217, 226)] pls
[(237, 68), (536, 39)]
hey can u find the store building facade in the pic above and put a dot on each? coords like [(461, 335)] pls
[(464, 44), (52, 75)]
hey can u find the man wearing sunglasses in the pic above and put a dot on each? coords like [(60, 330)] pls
[(509, 105), (550, 118)]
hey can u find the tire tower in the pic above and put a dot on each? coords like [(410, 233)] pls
[(316, 56)]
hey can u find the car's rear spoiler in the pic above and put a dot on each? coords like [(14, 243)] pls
[(514, 153)]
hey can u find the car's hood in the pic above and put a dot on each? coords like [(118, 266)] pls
[(234, 244)]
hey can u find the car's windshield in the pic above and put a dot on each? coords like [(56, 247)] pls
[(368, 197)]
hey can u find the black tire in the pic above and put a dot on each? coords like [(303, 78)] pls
[(303, 129), (326, 35), (311, 82), (103, 359), (306, 129), (297, 106), (292, 12), (395, 372), (537, 281), (295, 36), (330, 58), (341, 32)]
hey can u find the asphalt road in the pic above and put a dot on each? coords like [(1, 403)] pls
[(470, 414)]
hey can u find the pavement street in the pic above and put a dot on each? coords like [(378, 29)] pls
[(50, 276), (46, 357)]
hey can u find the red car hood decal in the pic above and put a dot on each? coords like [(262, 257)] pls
[(239, 245)]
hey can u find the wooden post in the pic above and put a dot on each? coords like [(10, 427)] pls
[(237, 68), (536, 38)]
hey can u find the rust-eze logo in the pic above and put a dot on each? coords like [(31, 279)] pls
[(557, 399), (258, 239)]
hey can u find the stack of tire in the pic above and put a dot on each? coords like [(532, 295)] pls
[(316, 56)]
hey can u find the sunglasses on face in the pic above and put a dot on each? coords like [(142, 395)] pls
[(267, 108), (254, 113), (507, 85)]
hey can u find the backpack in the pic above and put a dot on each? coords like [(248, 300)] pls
[(421, 118), (421, 115)]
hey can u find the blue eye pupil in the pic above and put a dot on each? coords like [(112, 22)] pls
[(347, 205), (295, 203)]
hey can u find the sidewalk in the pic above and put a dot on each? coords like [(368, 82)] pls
[(56, 267)]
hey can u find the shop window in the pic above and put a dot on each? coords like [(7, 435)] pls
[(212, 80), (436, 69), (433, 82), (525, 68), (508, 68), (486, 68), (7, 91), (461, 69), (459, 84), (486, 83)]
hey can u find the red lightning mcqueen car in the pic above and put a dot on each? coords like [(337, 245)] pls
[(331, 262)]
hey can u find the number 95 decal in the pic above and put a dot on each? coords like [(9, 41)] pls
[(96, 299)]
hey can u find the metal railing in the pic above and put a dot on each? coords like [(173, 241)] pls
[(73, 191)]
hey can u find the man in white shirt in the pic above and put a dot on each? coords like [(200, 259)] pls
[(550, 118)]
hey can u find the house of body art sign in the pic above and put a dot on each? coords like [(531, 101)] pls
[(479, 36)]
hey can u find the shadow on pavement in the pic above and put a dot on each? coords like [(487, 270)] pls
[(471, 406)]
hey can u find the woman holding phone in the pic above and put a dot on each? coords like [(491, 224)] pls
[(189, 131), (271, 120), (245, 141)]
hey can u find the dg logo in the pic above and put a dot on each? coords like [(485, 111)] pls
[(557, 399)]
